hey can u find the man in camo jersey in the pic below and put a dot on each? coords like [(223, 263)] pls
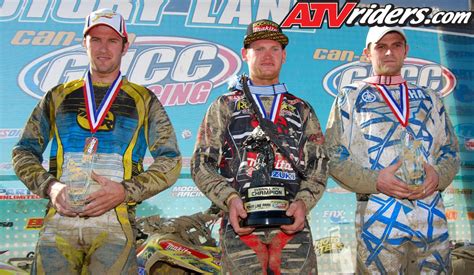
[(114, 136), (219, 161), (382, 135)]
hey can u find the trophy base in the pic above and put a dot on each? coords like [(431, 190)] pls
[(266, 219)]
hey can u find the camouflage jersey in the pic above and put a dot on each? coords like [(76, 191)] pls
[(219, 159), (135, 121)]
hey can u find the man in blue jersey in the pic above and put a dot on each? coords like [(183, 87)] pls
[(393, 144), (99, 128)]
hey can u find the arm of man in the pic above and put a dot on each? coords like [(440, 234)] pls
[(347, 173), (208, 152), (447, 159), (312, 188), (27, 154)]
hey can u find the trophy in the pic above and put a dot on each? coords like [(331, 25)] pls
[(411, 155), (265, 202), (79, 175)]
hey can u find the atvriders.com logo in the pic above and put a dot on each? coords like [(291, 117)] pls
[(312, 14)]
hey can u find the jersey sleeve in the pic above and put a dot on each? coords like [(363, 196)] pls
[(27, 155), (346, 172), (446, 160), (207, 154)]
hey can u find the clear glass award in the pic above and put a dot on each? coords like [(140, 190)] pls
[(79, 175), (411, 155)]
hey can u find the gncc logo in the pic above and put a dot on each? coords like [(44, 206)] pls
[(421, 72), (178, 70)]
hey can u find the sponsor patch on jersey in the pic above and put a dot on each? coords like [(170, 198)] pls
[(107, 124), (283, 175), (368, 96)]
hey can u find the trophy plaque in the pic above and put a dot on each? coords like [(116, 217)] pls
[(265, 202)]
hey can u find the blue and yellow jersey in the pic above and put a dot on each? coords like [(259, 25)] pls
[(135, 122)]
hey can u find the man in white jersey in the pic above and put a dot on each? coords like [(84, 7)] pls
[(400, 220)]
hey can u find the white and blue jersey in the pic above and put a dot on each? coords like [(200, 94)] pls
[(363, 137)]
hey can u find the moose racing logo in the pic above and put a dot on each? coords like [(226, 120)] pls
[(312, 13), (178, 70), (421, 72)]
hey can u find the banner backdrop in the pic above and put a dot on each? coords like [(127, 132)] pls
[(185, 52)]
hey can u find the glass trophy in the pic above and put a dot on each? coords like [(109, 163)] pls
[(412, 159), (79, 175), (265, 201)]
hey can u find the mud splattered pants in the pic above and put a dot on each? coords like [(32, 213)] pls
[(402, 237), (267, 251), (94, 245)]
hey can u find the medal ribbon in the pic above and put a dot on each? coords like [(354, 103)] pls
[(276, 90), (95, 116), (401, 111), (277, 100)]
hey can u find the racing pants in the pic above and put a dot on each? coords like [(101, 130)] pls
[(401, 236), (93, 245), (267, 251)]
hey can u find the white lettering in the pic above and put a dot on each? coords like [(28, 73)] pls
[(430, 76), (38, 9), (197, 55), (240, 9), (349, 75), (201, 13), (151, 12), (78, 10), (158, 60), (276, 10), (123, 7), (63, 69), (9, 8)]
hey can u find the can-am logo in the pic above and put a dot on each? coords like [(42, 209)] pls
[(178, 70), (421, 72)]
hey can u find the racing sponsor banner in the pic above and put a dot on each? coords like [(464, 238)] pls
[(186, 51)]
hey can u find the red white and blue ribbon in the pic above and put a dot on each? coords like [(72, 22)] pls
[(402, 110), (96, 115), (275, 109), (276, 90)]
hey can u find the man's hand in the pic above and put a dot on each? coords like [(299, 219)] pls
[(390, 185), (236, 213), (106, 198), (58, 195), (430, 185), (297, 210)]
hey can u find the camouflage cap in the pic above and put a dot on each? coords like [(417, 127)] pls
[(264, 29)]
